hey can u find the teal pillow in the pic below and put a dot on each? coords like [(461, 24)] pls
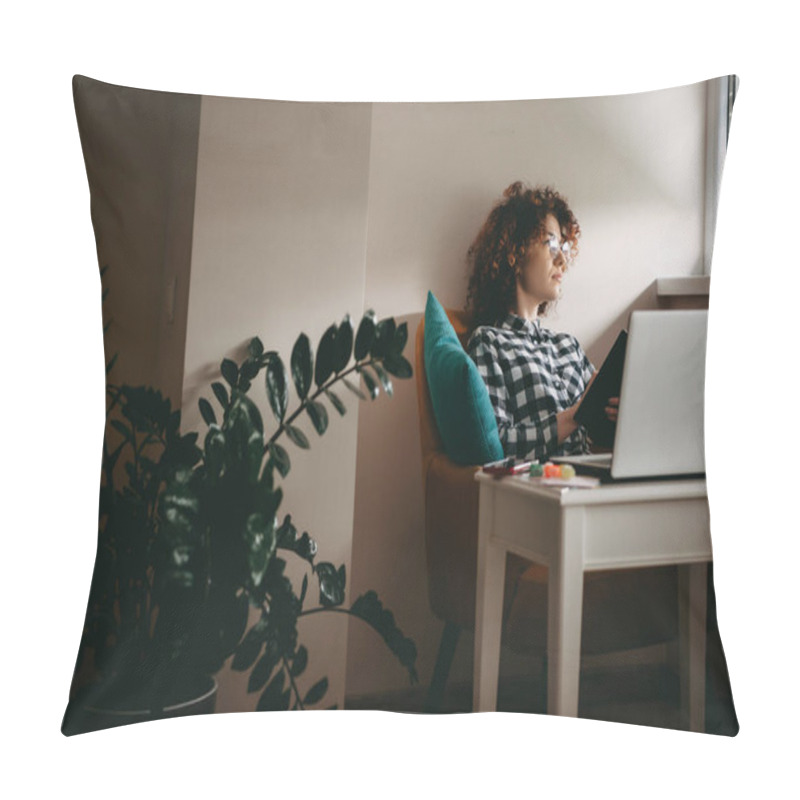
[(461, 405)]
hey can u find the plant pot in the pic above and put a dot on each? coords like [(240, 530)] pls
[(97, 718)]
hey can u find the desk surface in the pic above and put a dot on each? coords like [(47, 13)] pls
[(631, 492)]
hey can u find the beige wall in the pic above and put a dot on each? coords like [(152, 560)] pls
[(311, 210), (279, 249), (632, 168)]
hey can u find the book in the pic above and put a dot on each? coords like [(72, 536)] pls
[(608, 383)]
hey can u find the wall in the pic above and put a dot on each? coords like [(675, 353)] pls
[(279, 249), (140, 150), (311, 210), (632, 168)]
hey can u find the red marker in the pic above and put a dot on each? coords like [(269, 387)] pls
[(507, 466)]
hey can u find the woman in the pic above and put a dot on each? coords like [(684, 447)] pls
[(536, 378)]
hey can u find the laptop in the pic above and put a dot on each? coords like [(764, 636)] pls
[(659, 431)]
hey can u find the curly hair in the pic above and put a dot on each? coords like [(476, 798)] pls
[(510, 228)]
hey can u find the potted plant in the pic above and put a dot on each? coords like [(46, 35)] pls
[(190, 539)]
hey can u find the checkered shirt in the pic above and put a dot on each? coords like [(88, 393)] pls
[(532, 374)]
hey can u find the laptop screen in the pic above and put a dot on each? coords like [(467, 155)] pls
[(660, 425)]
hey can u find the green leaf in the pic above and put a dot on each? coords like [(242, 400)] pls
[(253, 414), (230, 372), (255, 455), (319, 416), (302, 365), (173, 425), (303, 589), (365, 336), (384, 338), (277, 385), (316, 693), (369, 381), (221, 394), (280, 458), (238, 430), (260, 538), (206, 411), (354, 389), (336, 402), (297, 436), (331, 587), (299, 662), (233, 618), (273, 698), (263, 668), (248, 371), (286, 533), (304, 546), (214, 451), (267, 502), (326, 356), (400, 340), (397, 365), (255, 348), (344, 344), (249, 648), (383, 378), (260, 674)]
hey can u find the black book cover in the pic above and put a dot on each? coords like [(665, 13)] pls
[(591, 412)]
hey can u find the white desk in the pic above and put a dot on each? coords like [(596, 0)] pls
[(573, 531)]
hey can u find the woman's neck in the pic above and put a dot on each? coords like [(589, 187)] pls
[(527, 309)]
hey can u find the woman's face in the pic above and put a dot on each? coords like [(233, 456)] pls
[(539, 278)]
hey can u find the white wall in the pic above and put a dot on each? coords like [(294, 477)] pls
[(632, 168), (279, 249)]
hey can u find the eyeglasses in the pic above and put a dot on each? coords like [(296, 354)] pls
[(559, 248)]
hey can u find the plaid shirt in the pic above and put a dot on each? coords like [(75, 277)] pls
[(531, 374)]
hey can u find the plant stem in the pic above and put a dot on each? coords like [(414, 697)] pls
[(339, 376), (291, 681), (327, 608)]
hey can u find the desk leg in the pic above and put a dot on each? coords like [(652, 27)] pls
[(692, 640), (488, 608), (564, 616)]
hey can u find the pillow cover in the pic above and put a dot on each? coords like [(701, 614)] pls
[(461, 404), (260, 263)]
